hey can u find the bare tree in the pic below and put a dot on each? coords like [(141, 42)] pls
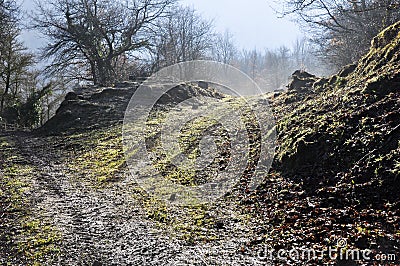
[(14, 62), (182, 36), (271, 69), (224, 49), (301, 53), (96, 33), (14, 59), (9, 15), (344, 28)]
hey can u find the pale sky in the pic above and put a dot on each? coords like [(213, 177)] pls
[(253, 23)]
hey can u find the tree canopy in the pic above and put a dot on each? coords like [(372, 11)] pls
[(343, 29), (96, 32)]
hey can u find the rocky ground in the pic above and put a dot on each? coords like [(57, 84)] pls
[(79, 224)]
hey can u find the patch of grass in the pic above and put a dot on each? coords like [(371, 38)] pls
[(29, 239), (37, 240), (191, 223), (100, 158)]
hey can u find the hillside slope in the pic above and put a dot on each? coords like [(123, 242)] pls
[(338, 158), (346, 129)]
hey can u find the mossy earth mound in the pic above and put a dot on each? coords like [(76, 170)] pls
[(346, 128), (93, 108), (336, 173)]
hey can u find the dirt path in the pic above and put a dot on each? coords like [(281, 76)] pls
[(106, 226)]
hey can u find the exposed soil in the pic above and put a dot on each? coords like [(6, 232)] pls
[(98, 226)]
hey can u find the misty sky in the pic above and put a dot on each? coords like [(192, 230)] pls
[(254, 25)]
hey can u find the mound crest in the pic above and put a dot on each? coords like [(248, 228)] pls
[(98, 107)]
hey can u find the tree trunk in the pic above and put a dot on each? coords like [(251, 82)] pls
[(2, 103), (105, 73), (93, 71), (6, 89)]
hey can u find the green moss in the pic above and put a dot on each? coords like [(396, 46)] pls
[(191, 223), (100, 158), (37, 240), (396, 169), (340, 81), (32, 239), (382, 59), (157, 210)]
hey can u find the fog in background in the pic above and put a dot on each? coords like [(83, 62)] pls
[(254, 25)]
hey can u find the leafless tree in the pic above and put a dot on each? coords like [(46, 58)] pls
[(224, 49), (14, 62), (96, 33), (14, 58), (344, 28), (302, 53), (182, 36), (272, 68), (9, 15)]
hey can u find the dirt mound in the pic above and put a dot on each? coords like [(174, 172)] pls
[(301, 81), (337, 167), (346, 128), (97, 107)]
